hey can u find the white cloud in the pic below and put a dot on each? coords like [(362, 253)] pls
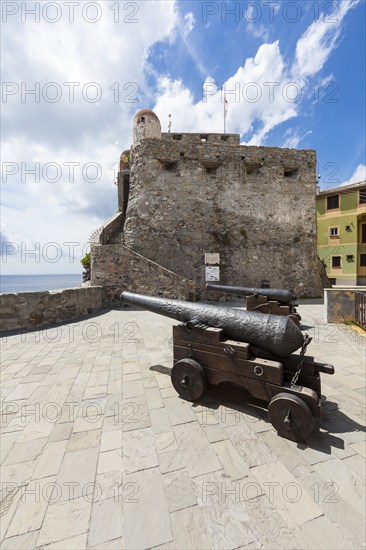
[(249, 97), (266, 75), (37, 210), (83, 51), (358, 176), (293, 138), (81, 131), (258, 30), (318, 41), (189, 23), (253, 27)]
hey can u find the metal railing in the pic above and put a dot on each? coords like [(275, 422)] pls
[(360, 309)]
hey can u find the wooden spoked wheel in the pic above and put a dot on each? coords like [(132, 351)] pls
[(189, 379), (291, 416)]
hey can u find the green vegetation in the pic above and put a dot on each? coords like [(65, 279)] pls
[(226, 238), (222, 238), (86, 263)]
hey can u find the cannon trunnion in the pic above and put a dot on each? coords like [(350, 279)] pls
[(203, 356)]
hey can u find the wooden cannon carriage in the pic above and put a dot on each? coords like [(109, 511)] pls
[(255, 351), (202, 356)]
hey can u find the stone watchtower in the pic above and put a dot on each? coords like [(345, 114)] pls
[(145, 125), (182, 196)]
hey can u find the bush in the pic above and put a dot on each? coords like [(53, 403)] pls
[(86, 263)]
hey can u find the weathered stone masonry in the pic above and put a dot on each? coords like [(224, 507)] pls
[(182, 195), (33, 310)]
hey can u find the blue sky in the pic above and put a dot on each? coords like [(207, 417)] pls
[(293, 74)]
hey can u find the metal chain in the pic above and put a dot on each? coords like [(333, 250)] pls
[(306, 342)]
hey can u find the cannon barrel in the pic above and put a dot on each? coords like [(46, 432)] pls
[(278, 294), (274, 333)]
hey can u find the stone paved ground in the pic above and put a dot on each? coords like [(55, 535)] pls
[(98, 451)]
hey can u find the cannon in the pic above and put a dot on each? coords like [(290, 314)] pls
[(277, 301), (269, 332), (215, 344)]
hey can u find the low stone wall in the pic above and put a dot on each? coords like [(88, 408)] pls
[(26, 310), (118, 268), (339, 303)]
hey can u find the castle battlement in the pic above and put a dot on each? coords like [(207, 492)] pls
[(201, 138)]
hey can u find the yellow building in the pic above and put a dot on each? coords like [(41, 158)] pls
[(341, 216)]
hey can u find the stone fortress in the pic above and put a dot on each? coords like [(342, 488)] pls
[(184, 195)]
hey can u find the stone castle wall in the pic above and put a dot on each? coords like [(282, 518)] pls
[(117, 268), (32, 310), (196, 193)]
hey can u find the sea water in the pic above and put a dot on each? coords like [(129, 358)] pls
[(34, 283)]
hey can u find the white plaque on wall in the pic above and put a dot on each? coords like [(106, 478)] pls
[(212, 273), (212, 258)]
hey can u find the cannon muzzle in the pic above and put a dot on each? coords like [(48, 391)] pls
[(274, 333), (280, 295)]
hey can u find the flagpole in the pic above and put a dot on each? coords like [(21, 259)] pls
[(224, 115)]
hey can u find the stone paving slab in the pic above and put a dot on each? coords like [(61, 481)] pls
[(99, 452)]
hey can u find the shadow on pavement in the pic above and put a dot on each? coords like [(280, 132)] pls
[(332, 421)]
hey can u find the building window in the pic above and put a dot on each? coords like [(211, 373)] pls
[(334, 232), (362, 260), (336, 261), (350, 258), (363, 232), (332, 202), (362, 196)]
